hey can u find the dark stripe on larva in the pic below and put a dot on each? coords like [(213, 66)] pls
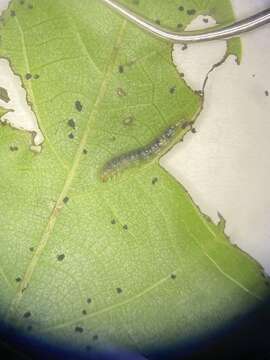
[(117, 164)]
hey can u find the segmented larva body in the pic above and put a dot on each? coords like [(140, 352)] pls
[(119, 163)]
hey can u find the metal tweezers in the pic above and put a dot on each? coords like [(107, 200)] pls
[(226, 32)]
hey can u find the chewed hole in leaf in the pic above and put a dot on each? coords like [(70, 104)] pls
[(18, 113)]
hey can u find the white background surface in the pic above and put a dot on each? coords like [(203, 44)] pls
[(225, 166)]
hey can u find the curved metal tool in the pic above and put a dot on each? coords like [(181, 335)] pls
[(227, 32)]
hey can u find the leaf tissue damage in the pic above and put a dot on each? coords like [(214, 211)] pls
[(131, 261), (14, 107)]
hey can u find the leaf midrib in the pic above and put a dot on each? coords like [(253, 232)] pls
[(70, 176)]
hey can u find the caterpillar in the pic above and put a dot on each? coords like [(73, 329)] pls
[(146, 153)]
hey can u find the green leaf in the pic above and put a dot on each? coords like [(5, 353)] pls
[(98, 244)]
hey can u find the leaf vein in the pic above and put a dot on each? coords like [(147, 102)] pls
[(59, 204)]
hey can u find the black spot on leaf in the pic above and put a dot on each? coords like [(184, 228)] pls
[(66, 200), (61, 257), (71, 136), (78, 329), (27, 315), (121, 69), (78, 106), (71, 123), (191, 12)]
